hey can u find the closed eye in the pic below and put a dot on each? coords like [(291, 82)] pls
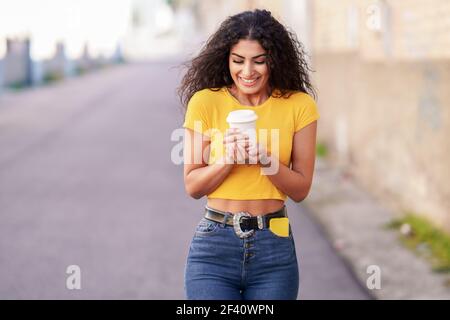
[(257, 62)]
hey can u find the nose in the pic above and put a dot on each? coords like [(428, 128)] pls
[(247, 70)]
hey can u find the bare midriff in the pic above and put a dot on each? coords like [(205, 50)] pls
[(254, 207)]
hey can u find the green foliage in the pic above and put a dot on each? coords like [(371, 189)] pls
[(321, 150), (79, 70), (425, 239), (17, 85), (52, 77)]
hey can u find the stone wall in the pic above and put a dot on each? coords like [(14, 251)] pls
[(384, 100)]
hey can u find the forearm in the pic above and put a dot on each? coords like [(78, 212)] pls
[(202, 181), (292, 183)]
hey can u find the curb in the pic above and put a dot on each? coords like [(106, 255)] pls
[(354, 223)]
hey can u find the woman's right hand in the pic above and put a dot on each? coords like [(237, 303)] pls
[(236, 147)]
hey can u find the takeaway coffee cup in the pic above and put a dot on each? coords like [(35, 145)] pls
[(245, 121)]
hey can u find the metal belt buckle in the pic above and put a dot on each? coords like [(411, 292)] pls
[(237, 225)]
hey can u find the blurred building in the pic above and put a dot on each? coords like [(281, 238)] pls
[(151, 31), (1, 74), (53, 69), (85, 62), (17, 67), (292, 13), (382, 71), (212, 13)]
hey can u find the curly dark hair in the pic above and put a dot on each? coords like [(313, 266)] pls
[(286, 56)]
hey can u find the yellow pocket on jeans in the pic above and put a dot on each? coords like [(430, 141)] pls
[(279, 226)]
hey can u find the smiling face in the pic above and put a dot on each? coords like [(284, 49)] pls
[(248, 67)]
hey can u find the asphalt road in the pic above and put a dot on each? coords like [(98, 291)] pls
[(87, 179)]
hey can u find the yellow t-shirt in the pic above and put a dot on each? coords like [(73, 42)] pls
[(207, 112)]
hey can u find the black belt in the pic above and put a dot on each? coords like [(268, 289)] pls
[(243, 222)]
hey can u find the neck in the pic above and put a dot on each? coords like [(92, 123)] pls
[(250, 99)]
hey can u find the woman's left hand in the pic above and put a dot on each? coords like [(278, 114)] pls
[(258, 154)]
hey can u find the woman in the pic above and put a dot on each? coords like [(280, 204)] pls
[(243, 247)]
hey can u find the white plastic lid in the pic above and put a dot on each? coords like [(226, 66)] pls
[(241, 116)]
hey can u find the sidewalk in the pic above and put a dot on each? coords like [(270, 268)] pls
[(354, 222)]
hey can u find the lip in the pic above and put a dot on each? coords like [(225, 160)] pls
[(248, 84)]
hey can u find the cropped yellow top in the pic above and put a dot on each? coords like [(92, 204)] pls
[(280, 117)]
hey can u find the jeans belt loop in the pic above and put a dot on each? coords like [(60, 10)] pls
[(225, 217), (260, 222)]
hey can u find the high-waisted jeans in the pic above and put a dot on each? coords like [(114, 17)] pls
[(221, 266)]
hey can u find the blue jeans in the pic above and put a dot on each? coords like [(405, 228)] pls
[(221, 266)]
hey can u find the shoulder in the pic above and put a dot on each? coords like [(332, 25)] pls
[(207, 95), (202, 103), (301, 98), (297, 100), (206, 100)]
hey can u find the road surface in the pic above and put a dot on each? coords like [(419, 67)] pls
[(87, 179)]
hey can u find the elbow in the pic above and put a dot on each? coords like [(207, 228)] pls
[(196, 196), (193, 193), (299, 197), (191, 188)]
